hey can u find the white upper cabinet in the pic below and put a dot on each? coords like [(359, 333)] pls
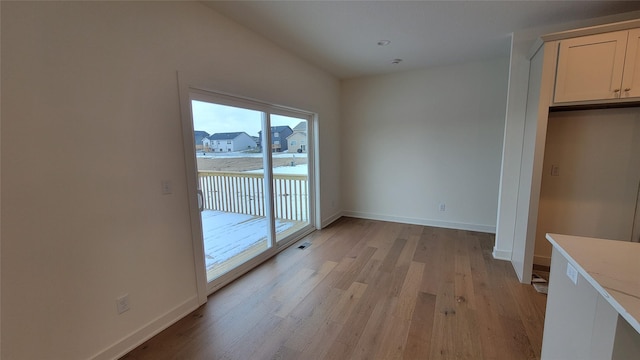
[(631, 76), (592, 67)]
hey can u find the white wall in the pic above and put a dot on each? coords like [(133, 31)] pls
[(90, 128), (413, 140)]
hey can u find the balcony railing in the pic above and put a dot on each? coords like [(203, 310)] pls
[(243, 193)]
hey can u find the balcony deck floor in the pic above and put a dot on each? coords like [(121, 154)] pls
[(231, 239)]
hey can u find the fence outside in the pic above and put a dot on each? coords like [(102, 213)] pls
[(243, 193)]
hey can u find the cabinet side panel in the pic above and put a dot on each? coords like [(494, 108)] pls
[(604, 330), (519, 256), (570, 314), (627, 342)]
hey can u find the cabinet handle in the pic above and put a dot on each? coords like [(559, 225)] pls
[(627, 89), (616, 93), (616, 90)]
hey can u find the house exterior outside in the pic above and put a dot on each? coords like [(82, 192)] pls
[(227, 142), (279, 136), (199, 138), (297, 141), (257, 140)]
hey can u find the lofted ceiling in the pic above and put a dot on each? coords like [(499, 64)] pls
[(341, 36)]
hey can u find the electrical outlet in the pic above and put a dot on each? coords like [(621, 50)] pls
[(442, 207), (572, 274), (122, 303)]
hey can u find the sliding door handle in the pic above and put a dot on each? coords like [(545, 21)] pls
[(200, 200)]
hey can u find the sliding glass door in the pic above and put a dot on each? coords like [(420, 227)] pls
[(230, 166), (290, 168), (252, 168)]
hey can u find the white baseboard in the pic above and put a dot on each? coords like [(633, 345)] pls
[(501, 254), (424, 222), (542, 260), (136, 338), (326, 222)]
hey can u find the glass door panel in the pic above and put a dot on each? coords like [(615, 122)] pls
[(254, 181), (289, 142), (230, 165)]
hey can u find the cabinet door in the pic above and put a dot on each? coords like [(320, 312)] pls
[(590, 67), (631, 75)]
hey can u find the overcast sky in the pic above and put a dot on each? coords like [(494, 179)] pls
[(214, 118)]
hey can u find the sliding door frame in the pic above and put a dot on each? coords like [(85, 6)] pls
[(187, 94)]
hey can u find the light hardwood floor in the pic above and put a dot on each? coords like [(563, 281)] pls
[(367, 290)]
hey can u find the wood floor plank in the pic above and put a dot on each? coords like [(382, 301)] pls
[(317, 299), (432, 252), (304, 335), (391, 259), (418, 342), (517, 344), (350, 298), (404, 259), (383, 237), (296, 295), (465, 293), (409, 250), (355, 324), (282, 292), (366, 289), (363, 231), (468, 344), (443, 333), (319, 345), (371, 337), (529, 312), (285, 353), (259, 339), (393, 338), (490, 333), (409, 293), (354, 270)]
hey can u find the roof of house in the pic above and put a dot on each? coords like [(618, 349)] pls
[(280, 128), (301, 127), (201, 133), (277, 129), (297, 133), (226, 136)]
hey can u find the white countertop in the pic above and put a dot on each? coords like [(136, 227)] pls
[(611, 267)]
